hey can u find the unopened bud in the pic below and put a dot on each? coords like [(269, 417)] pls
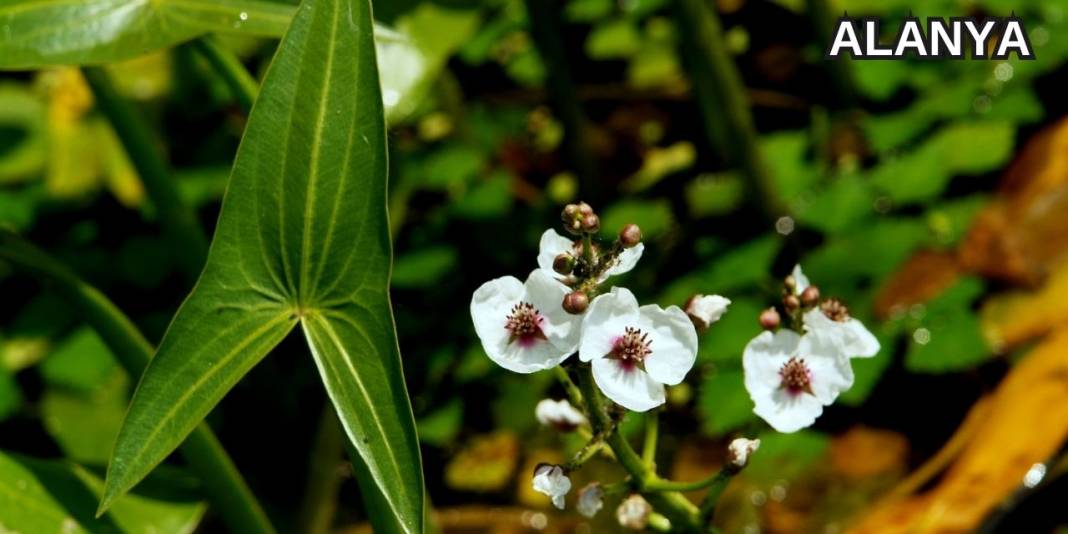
[(739, 450), (584, 209), (564, 264), (704, 310), (790, 283), (591, 224), (633, 512), (630, 235), (570, 213), (791, 303), (810, 296), (576, 302), (769, 319)]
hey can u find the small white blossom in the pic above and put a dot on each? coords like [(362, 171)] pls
[(590, 499), (551, 480), (832, 318), (706, 309), (523, 327), (791, 377), (635, 351), (559, 413), (739, 450), (553, 244), (633, 512)]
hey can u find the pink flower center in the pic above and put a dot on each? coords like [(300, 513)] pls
[(796, 377), (524, 323), (632, 348)]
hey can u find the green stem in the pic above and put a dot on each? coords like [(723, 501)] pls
[(652, 428), (243, 86), (683, 514), (721, 97), (320, 492), (573, 391), (587, 250), (715, 490), (545, 29), (222, 482), (178, 220), (659, 523), (667, 485)]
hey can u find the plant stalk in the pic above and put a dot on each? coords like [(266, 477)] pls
[(243, 86), (652, 430), (320, 492), (683, 514), (721, 97), (841, 69), (178, 220), (223, 484)]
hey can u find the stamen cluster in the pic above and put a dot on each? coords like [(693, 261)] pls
[(796, 377), (633, 346), (524, 322), (835, 310)]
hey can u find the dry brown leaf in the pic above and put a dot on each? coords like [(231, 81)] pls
[(924, 276), (1034, 395), (864, 452), (486, 464), (1012, 318)]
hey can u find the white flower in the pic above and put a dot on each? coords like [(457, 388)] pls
[(739, 450), (800, 280), (590, 499), (523, 327), (706, 309), (832, 318), (551, 480), (791, 377), (558, 413), (635, 351), (553, 244), (633, 512)]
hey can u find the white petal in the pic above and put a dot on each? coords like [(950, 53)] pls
[(789, 413), (852, 337), (558, 413), (762, 360), (674, 343), (831, 374), (552, 245), (590, 499), (862, 343), (605, 320), (630, 388), (551, 480), (626, 261), (490, 305), (800, 280), (739, 450), (547, 295)]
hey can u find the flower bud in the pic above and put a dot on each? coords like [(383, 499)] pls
[(584, 209), (739, 450), (790, 283), (791, 303), (564, 264), (570, 213), (633, 512), (559, 414), (704, 310), (810, 296), (630, 235), (590, 499), (552, 481), (769, 319), (591, 224), (576, 302)]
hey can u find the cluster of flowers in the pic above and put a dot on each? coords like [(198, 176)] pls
[(536, 325), (791, 372)]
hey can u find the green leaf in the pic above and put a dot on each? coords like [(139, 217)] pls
[(726, 338), (56, 32), (42, 496), (948, 337), (81, 362), (724, 403), (85, 424), (302, 237)]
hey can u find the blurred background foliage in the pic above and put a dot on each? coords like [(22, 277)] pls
[(931, 196)]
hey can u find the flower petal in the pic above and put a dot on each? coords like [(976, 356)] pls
[(674, 343), (800, 280), (605, 320), (490, 305), (762, 360), (626, 261), (630, 387), (831, 374), (547, 295), (861, 342), (552, 245), (789, 413)]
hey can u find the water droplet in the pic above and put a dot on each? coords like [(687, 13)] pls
[(390, 97), (785, 225), (1034, 475), (1003, 72), (243, 16), (758, 498)]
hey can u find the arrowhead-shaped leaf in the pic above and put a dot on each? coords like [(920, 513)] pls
[(302, 237)]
